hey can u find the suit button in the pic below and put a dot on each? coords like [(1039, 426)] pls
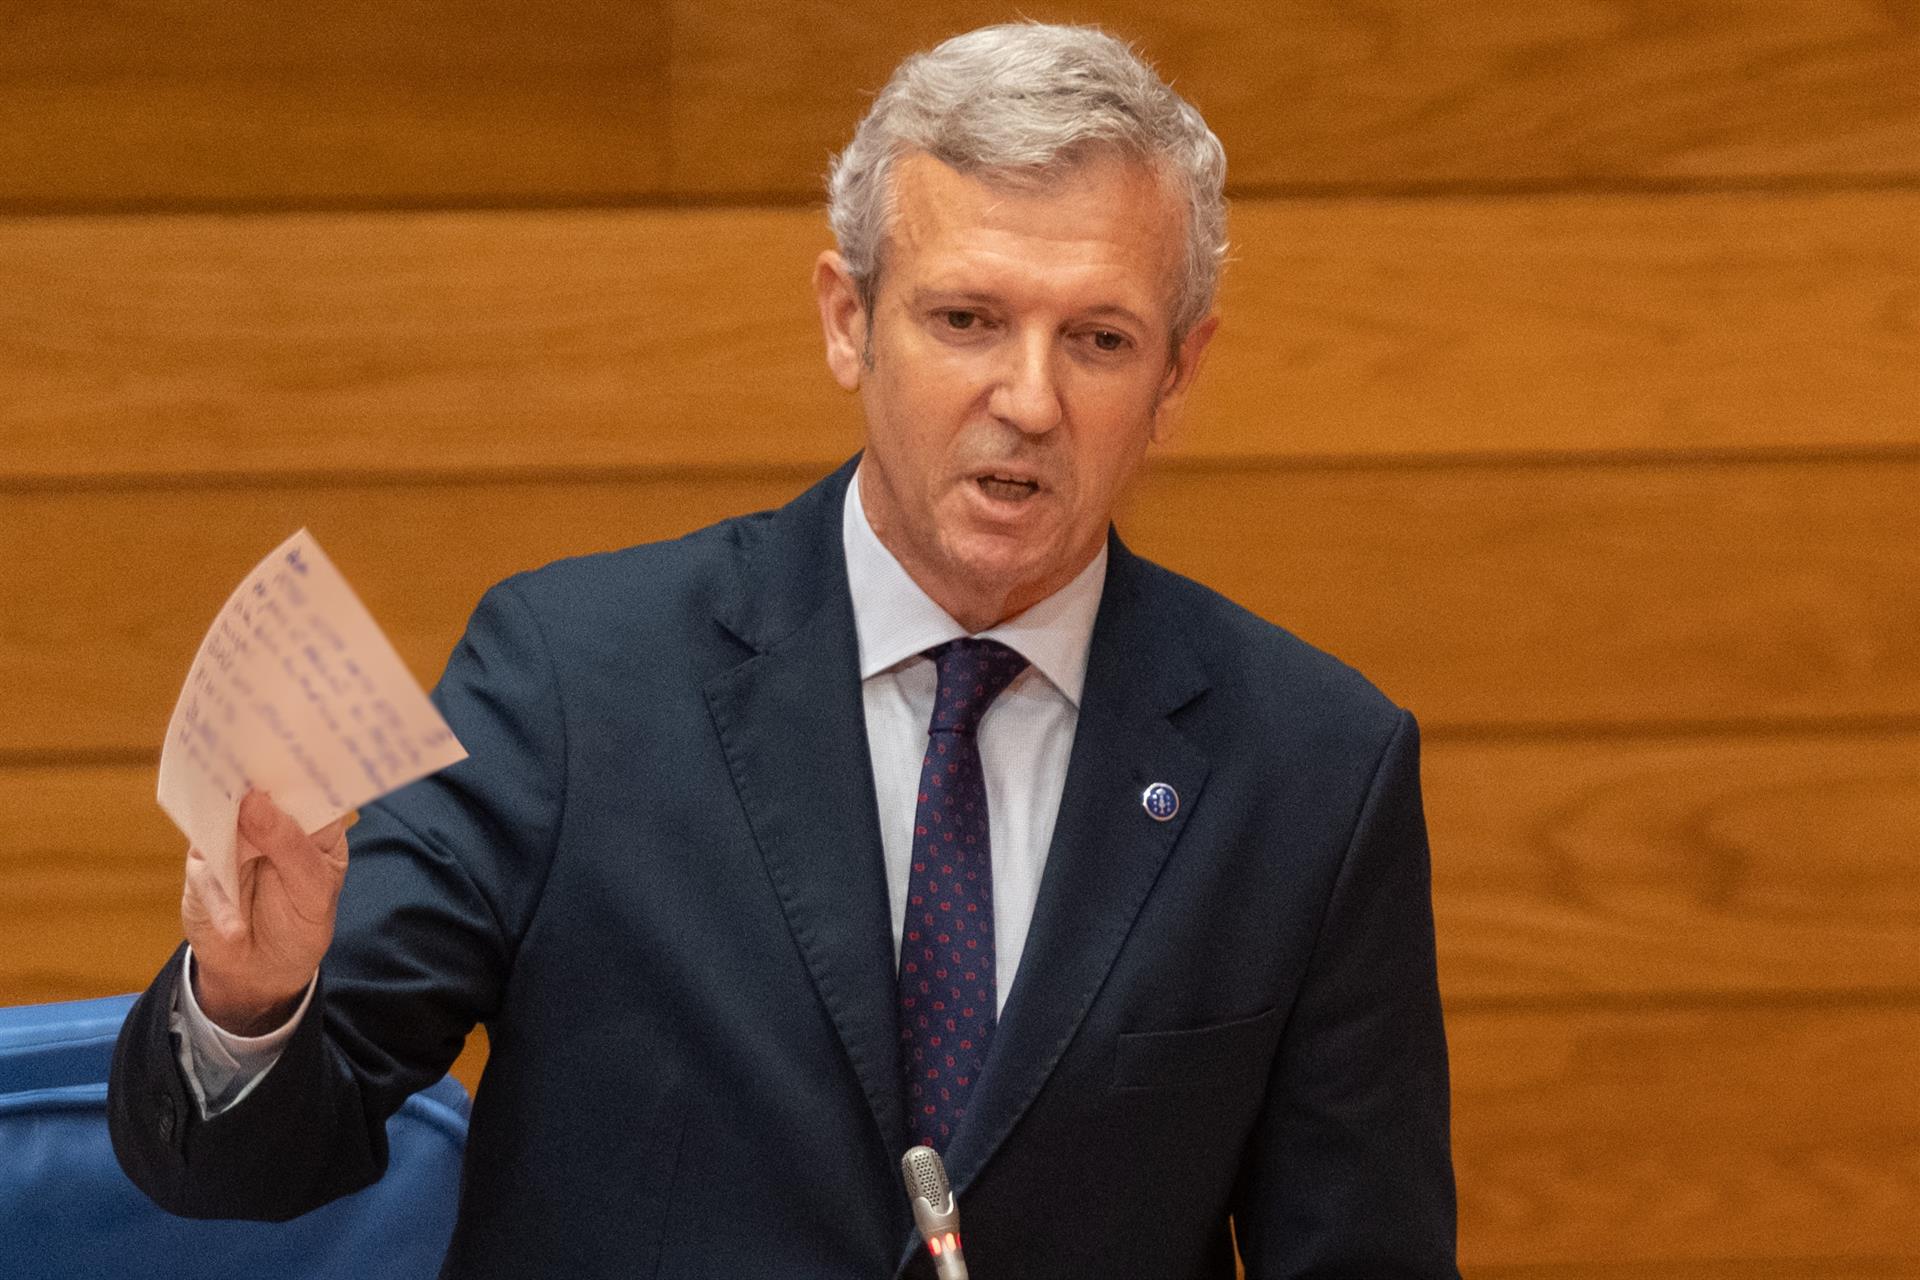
[(169, 1117)]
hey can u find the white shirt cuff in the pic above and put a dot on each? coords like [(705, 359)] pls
[(222, 1068)]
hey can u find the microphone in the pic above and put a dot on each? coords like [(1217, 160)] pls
[(934, 1211)]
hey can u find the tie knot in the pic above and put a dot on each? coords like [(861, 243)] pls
[(972, 674)]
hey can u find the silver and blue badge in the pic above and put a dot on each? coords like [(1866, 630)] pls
[(1160, 801)]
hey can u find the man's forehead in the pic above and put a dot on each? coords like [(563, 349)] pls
[(1108, 216), (920, 182)]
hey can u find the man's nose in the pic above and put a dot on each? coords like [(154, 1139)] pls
[(1026, 393)]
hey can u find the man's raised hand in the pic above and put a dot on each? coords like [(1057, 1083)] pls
[(253, 958)]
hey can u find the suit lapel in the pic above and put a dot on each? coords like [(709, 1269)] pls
[(1106, 851), (791, 723)]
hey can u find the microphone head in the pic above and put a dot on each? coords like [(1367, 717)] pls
[(927, 1189), (925, 1174)]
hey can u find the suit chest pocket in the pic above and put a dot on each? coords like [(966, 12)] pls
[(1224, 1053)]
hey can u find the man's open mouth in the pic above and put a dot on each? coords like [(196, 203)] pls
[(1008, 488)]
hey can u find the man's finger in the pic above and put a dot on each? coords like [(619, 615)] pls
[(266, 824), (309, 865), (205, 901)]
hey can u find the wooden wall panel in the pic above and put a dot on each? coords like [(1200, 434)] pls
[(190, 102), (90, 874), (1716, 1269), (442, 343), (1711, 1133), (1549, 326), (1650, 869), (642, 341), (1504, 598), (1318, 94), (197, 102), (1515, 596)]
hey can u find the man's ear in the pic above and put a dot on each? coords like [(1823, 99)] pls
[(842, 318), (1179, 378)]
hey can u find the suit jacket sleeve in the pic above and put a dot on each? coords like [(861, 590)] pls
[(1349, 1173), (442, 878)]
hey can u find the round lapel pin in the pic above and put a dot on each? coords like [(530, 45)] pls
[(1160, 801)]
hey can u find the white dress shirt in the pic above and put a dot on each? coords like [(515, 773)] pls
[(1025, 739)]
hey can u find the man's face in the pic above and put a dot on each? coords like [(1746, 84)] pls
[(1013, 371)]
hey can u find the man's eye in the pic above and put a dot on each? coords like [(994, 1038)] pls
[(960, 320), (1108, 340)]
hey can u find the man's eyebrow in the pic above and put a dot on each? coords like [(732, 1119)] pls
[(1115, 311), (925, 297)]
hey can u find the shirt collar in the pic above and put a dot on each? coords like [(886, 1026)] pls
[(895, 620)]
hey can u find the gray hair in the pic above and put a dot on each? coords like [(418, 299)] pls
[(1019, 103)]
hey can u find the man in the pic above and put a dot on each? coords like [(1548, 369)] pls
[(917, 811)]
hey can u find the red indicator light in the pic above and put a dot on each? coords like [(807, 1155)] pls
[(933, 1243), (953, 1242)]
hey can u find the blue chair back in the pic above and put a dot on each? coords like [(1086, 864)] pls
[(67, 1212)]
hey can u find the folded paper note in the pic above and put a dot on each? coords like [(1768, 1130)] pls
[(298, 693)]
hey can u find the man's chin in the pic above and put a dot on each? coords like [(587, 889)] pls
[(993, 559), (1004, 575)]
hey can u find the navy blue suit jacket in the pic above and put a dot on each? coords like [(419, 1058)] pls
[(658, 881)]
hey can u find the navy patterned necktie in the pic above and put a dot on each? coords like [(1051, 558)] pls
[(947, 985)]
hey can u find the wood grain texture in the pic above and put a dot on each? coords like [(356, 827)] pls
[(1646, 870), (1710, 1269), (1321, 94), (194, 102), (513, 343), (90, 875), (1486, 598), (1623, 869), (1589, 1137), (1498, 598), (1567, 325), (339, 101), (417, 343)]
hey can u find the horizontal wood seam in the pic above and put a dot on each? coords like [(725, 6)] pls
[(1668, 733), (537, 202), (83, 758), (1767, 1266), (1778, 1000), (448, 477)]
